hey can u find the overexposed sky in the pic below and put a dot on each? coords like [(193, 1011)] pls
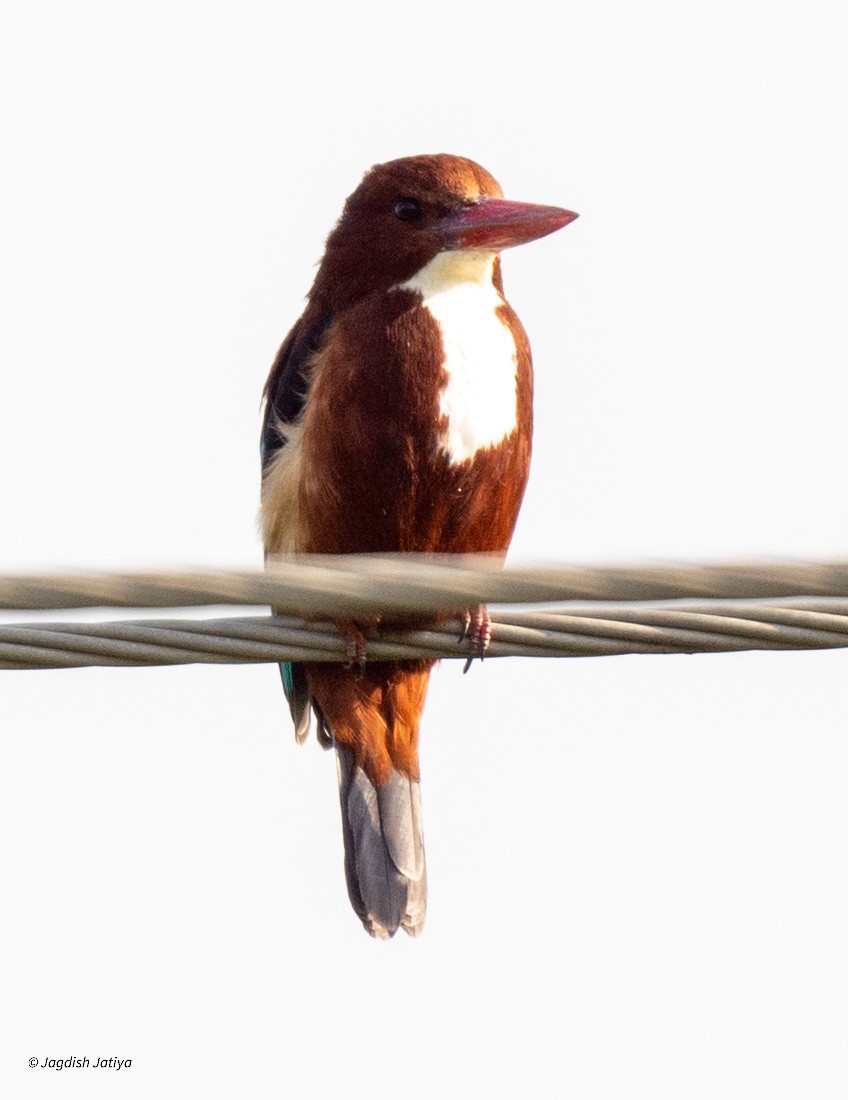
[(636, 864)]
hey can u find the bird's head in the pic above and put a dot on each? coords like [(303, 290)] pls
[(406, 212)]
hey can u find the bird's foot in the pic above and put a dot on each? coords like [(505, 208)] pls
[(356, 646), (477, 632)]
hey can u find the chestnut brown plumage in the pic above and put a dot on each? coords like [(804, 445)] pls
[(398, 417)]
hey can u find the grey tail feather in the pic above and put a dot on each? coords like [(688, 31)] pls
[(384, 849)]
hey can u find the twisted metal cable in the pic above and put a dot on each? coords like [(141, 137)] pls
[(580, 631), (347, 586)]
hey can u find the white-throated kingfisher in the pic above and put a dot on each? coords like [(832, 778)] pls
[(398, 418)]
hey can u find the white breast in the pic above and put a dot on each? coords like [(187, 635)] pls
[(478, 399)]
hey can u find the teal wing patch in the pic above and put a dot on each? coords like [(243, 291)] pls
[(299, 699)]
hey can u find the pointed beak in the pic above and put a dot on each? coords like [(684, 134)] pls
[(498, 223)]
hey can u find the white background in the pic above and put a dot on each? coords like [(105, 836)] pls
[(637, 865)]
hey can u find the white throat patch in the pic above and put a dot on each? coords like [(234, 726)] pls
[(479, 397)]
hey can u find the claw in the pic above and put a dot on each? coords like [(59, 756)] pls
[(477, 630), (356, 647)]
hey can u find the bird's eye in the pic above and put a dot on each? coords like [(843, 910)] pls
[(408, 210)]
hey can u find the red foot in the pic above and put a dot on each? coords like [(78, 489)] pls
[(477, 631), (356, 647)]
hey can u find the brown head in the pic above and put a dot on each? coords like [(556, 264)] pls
[(407, 211)]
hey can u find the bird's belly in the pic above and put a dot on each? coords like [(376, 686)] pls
[(411, 441)]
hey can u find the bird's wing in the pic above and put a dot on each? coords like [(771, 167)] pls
[(285, 394), (288, 382)]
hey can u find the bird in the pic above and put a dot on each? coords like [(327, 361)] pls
[(397, 418)]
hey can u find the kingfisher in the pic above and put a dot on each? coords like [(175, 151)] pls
[(398, 418)]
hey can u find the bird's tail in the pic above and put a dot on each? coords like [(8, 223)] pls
[(374, 717), (384, 848)]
